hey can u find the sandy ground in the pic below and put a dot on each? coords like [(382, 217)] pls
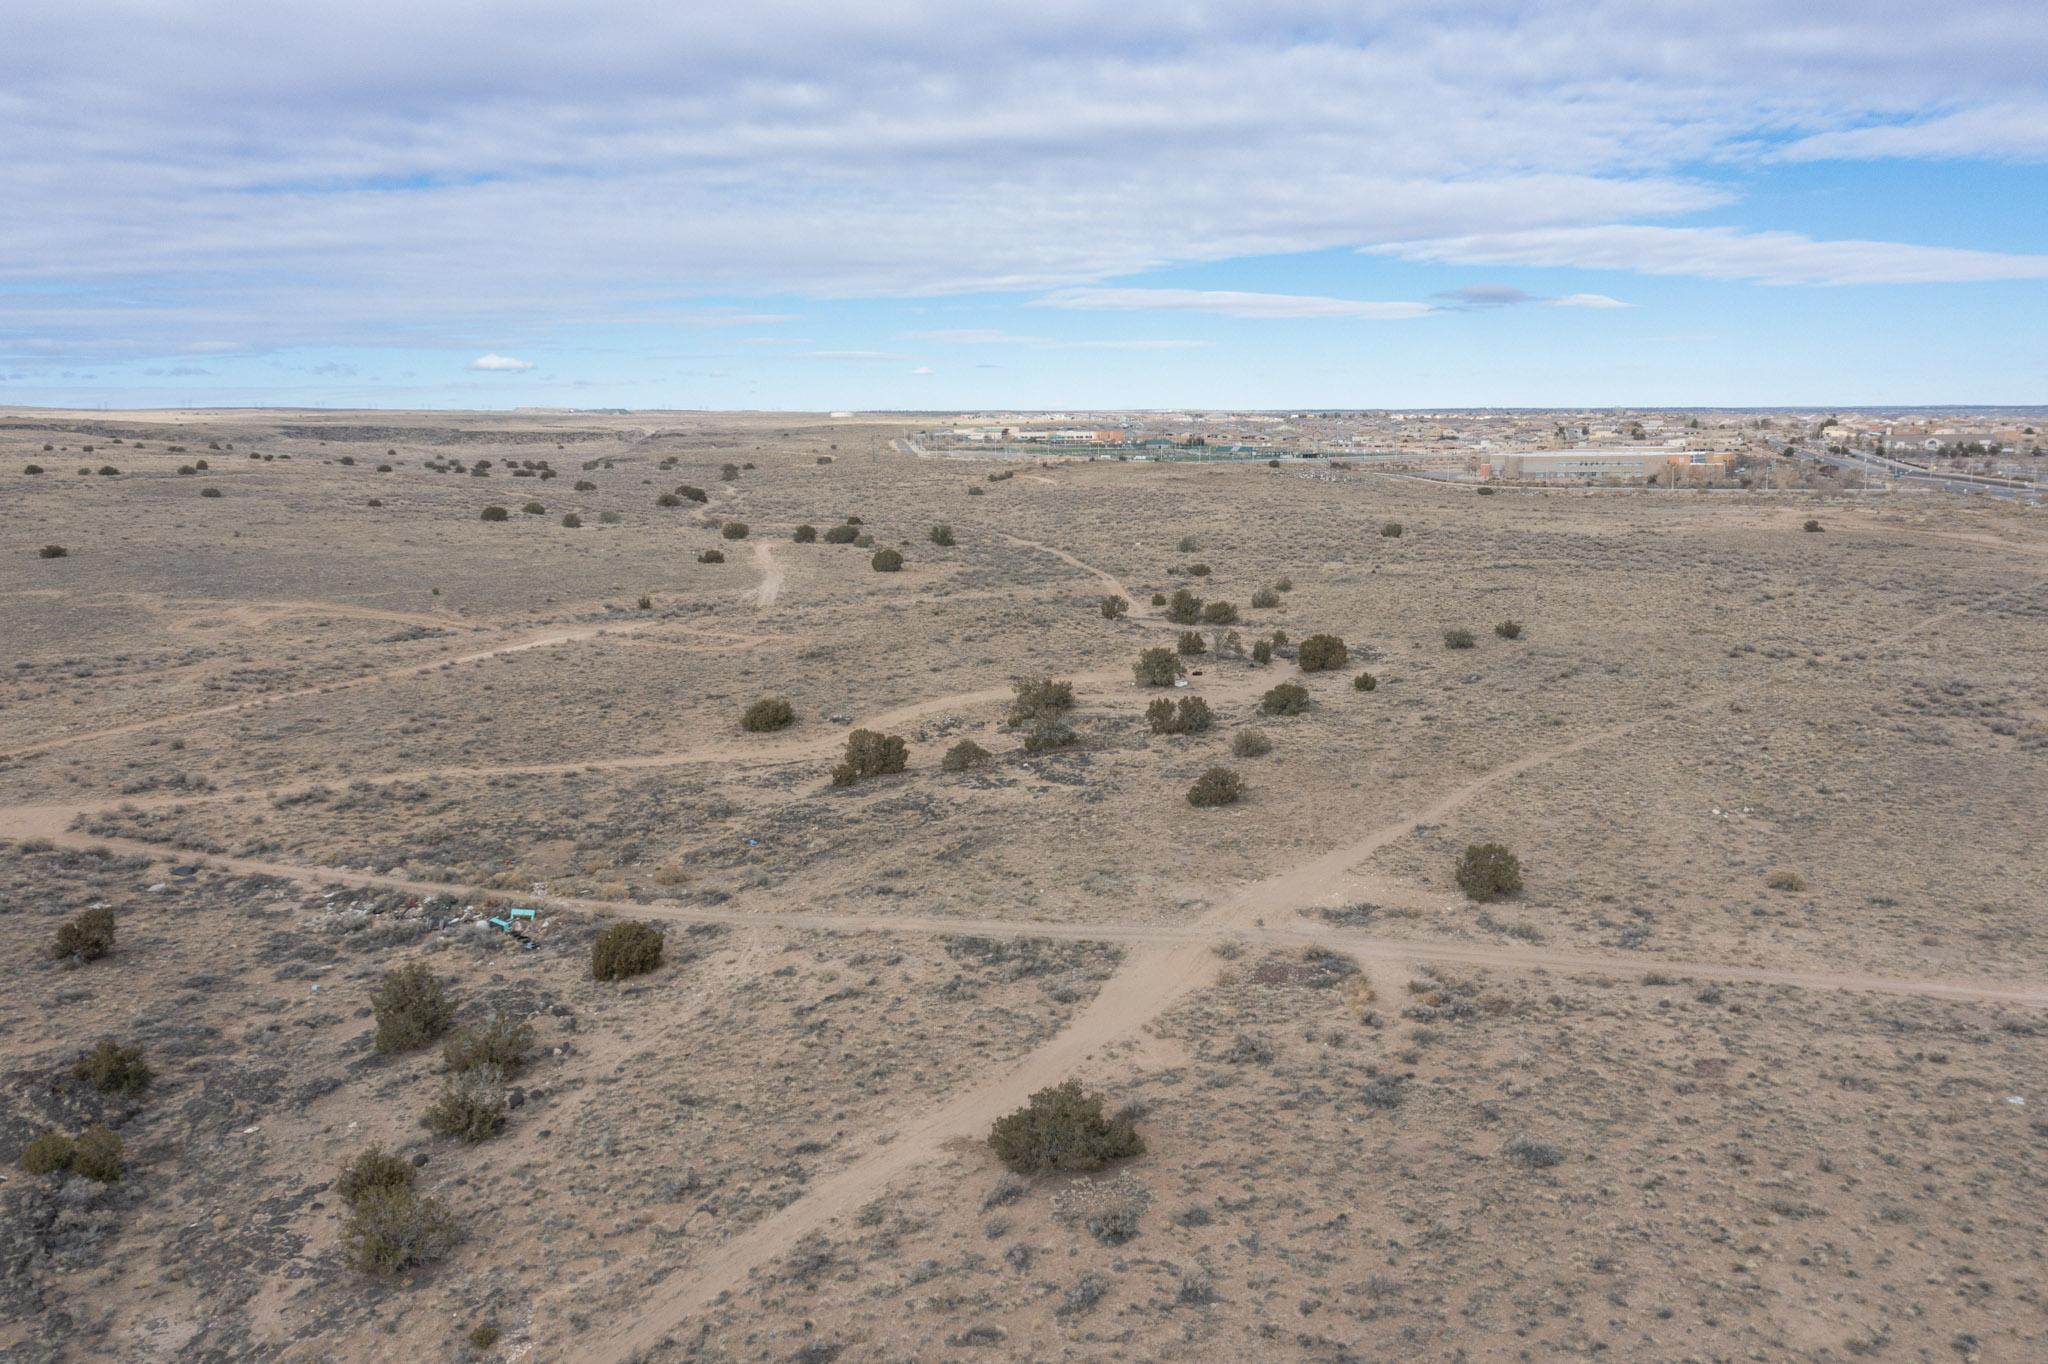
[(314, 727)]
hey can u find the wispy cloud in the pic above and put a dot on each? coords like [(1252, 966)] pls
[(853, 355), (1726, 253), (1230, 303), (974, 336), (1475, 297), (499, 364)]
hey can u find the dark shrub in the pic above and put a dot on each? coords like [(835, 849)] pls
[(1049, 735), (53, 552), (584, 485), (1458, 639), (853, 521), (1262, 651), (1509, 629), (869, 754), (964, 756), (1184, 608), (108, 470), (1533, 1154), (471, 1106), (942, 535), (483, 1337), (1159, 599), (1219, 613), (692, 492), (1250, 743), (1062, 1131), (886, 561), (1038, 698), (1365, 682), (186, 471), (1322, 653), (668, 500), (47, 1154), (805, 535), (348, 459), (373, 1170), (1217, 786), (534, 509), (32, 469), (390, 1230), (646, 602), (85, 936), (1812, 526), (1487, 871), (496, 514), (768, 713), (209, 492), (1114, 607), (1391, 529), (113, 1069), (735, 530), (572, 521), (1198, 570), (1265, 599), (411, 1007), (627, 948), (840, 535), (711, 556), (1156, 667), (98, 1154), (1192, 643), (729, 472), (1186, 544), (1191, 715), (1289, 698), (1486, 491), (504, 1042)]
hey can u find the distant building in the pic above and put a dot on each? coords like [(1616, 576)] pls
[(1628, 466)]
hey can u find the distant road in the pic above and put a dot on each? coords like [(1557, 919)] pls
[(1898, 471)]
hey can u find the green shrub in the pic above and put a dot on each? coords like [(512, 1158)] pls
[(942, 535), (374, 1170), (691, 492), (1217, 786), (1250, 743), (1159, 599), (1812, 526), (1458, 639), (886, 561), (471, 1106), (584, 485), (840, 535), (964, 756), (1190, 715), (1191, 643), (1156, 667), (483, 1337), (1487, 871), (1279, 638), (1322, 653), (736, 530), (1038, 698), (390, 1230), (503, 1042), (1184, 608), (113, 1069), (1265, 599), (668, 500), (1219, 613), (495, 513), (627, 948), (711, 556), (1114, 607), (1262, 652), (1198, 570), (1049, 734), (534, 509), (572, 521), (1063, 1130), (767, 714), (411, 1007), (47, 1154), (1365, 682), (1289, 698), (805, 535), (1391, 529), (870, 754), (1509, 629), (86, 936), (97, 1154)]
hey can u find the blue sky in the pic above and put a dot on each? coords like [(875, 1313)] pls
[(908, 204)]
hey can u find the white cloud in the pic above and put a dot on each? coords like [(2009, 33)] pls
[(922, 369), (498, 363), (1726, 253), (1587, 301), (1231, 303), (976, 336)]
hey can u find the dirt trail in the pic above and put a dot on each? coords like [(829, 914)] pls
[(771, 576)]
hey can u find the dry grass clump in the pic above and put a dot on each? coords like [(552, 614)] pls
[(1509, 629), (374, 1170), (1784, 878), (625, 949), (1063, 1130), (1458, 638), (870, 754), (1250, 743)]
